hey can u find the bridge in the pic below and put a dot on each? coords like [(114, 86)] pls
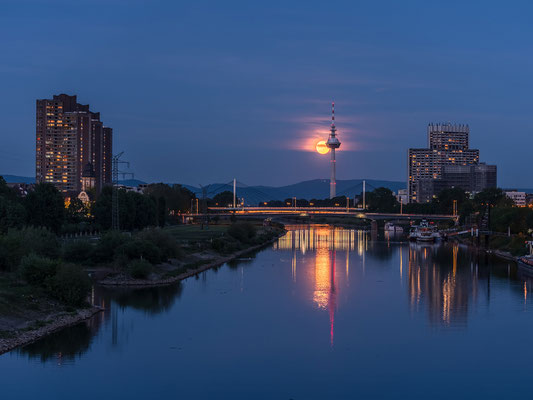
[(324, 211)]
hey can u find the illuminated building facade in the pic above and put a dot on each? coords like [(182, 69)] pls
[(447, 162), (69, 137)]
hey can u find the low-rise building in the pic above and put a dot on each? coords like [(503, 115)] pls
[(402, 196), (519, 198)]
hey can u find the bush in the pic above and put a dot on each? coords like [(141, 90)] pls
[(499, 242), (70, 285), (37, 270), (517, 247), (19, 242), (164, 241), (139, 269), (78, 251), (242, 231), (107, 245), (225, 245), (138, 248)]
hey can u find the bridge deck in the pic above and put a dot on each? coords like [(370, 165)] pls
[(325, 211)]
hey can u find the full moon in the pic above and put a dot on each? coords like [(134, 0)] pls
[(321, 147)]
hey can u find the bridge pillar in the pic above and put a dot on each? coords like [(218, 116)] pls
[(374, 229)]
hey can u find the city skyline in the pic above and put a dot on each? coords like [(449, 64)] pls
[(251, 99)]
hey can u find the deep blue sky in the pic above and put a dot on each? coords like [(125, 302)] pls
[(201, 91)]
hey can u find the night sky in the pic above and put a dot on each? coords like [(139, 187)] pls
[(201, 92)]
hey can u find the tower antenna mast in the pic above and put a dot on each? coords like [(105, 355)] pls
[(115, 162)]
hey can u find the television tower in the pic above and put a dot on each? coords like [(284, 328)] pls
[(333, 143)]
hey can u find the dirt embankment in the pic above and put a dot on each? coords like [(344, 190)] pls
[(38, 329)]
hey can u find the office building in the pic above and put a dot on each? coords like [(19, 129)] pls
[(71, 141), (447, 162)]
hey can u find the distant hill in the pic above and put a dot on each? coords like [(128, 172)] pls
[(131, 182), (28, 180), (313, 189), (18, 179)]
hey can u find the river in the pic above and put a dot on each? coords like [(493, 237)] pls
[(324, 313)]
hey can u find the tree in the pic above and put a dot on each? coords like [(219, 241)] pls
[(136, 210), (447, 197), (5, 191), (382, 200), (223, 199), (76, 211), (161, 211), (45, 207), (101, 208), (177, 198), (492, 197), (12, 215)]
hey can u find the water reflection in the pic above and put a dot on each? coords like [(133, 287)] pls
[(62, 347), (437, 281), (328, 268), (326, 242), (65, 346)]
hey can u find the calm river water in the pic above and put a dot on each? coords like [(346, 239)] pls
[(322, 314)]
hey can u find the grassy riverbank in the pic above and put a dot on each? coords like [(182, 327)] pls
[(28, 312), (507, 247), (201, 249), (43, 286)]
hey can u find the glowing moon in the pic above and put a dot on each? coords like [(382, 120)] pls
[(321, 147)]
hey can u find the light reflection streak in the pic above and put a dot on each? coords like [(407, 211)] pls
[(445, 289), (325, 242)]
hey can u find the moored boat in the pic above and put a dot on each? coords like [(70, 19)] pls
[(391, 227), (424, 232)]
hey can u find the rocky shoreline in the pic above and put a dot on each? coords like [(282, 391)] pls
[(53, 324), (123, 281)]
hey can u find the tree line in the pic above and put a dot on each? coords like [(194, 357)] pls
[(504, 214), (44, 206)]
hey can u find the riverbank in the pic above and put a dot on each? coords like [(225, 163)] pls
[(11, 339), (169, 274), (503, 254)]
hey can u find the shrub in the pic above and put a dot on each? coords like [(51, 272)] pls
[(164, 241), (37, 270), (242, 231), (138, 248), (78, 251), (517, 247), (19, 242), (70, 285), (107, 245), (225, 245), (140, 269)]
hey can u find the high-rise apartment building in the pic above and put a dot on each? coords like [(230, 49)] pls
[(70, 140), (447, 162)]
